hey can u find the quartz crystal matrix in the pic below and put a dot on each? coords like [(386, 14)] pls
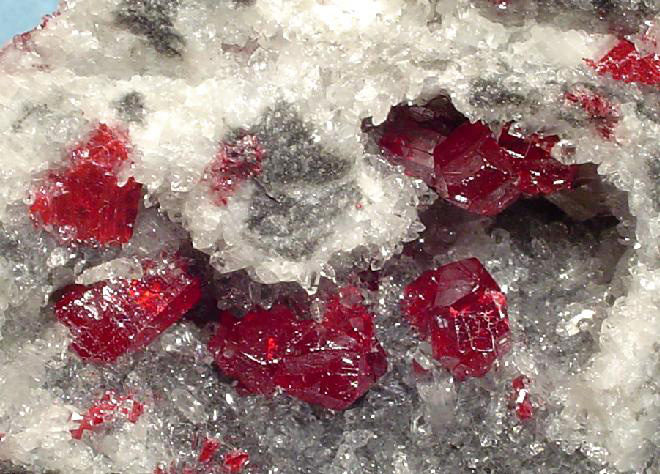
[(331, 236)]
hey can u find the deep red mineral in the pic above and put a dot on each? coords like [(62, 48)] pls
[(465, 163), (625, 63), (235, 461), (463, 312), (411, 133), (329, 363), (209, 448), (84, 202), (112, 317), (538, 172), (473, 172), (600, 111)]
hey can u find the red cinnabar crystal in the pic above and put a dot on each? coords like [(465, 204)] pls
[(106, 410), (113, 317), (464, 161), (520, 397), (209, 448), (624, 63), (411, 133), (235, 461), (236, 162), (331, 363), (538, 172), (473, 172), (84, 203), (463, 312)]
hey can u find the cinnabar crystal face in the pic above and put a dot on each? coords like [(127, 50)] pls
[(463, 312), (111, 318)]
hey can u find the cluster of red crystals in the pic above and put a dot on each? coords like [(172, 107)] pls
[(235, 162), (466, 164), (599, 109), (329, 363), (625, 63), (520, 398), (410, 135), (106, 410), (483, 175), (463, 312), (538, 172), (84, 202), (112, 317)]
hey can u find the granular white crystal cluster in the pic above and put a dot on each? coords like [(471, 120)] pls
[(331, 236)]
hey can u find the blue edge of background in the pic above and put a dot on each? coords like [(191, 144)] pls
[(18, 16)]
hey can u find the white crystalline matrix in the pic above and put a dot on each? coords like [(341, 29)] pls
[(162, 158)]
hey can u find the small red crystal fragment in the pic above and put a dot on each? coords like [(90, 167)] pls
[(106, 410), (463, 311), (235, 162), (473, 172), (599, 110), (110, 318), (84, 202), (624, 63), (209, 448), (331, 363), (235, 461), (523, 404), (539, 173)]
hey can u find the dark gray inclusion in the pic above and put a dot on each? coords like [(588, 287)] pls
[(302, 188), (154, 20), (29, 111), (131, 107)]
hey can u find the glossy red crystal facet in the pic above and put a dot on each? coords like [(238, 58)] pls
[(110, 318), (463, 312), (521, 399), (84, 202), (106, 410), (473, 172), (331, 363), (625, 63), (236, 162)]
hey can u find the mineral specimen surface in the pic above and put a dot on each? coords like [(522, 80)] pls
[(331, 236)]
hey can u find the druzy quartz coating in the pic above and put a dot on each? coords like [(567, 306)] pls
[(331, 236)]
